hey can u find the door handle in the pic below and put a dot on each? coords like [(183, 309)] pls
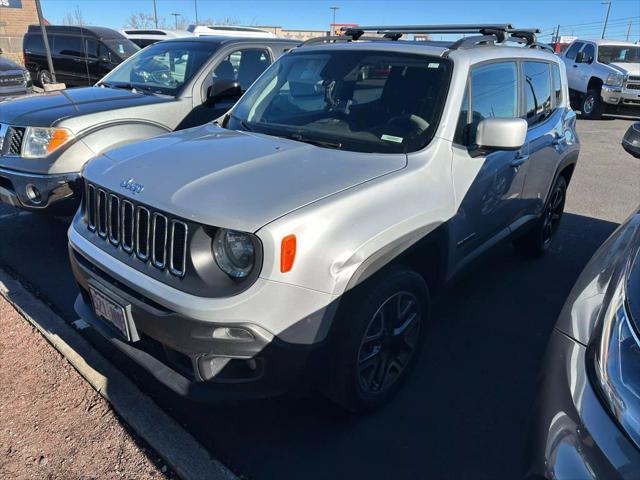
[(519, 160), (575, 66)]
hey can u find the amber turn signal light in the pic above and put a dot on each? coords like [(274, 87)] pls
[(287, 253)]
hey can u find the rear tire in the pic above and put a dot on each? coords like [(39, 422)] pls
[(44, 77), (538, 240), (592, 106), (378, 337)]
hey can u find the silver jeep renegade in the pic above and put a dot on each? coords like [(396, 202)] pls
[(298, 242)]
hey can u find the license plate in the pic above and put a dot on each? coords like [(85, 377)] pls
[(110, 311)]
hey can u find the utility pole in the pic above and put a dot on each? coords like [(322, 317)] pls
[(606, 20), (557, 40), (45, 40), (333, 25), (176, 15), (155, 13), (195, 5), (628, 30)]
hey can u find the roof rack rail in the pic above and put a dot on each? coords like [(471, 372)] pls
[(338, 38), (489, 34)]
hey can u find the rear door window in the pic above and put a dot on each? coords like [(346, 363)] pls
[(537, 86), (557, 85), (68, 45)]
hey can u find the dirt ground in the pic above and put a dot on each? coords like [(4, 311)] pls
[(52, 423)]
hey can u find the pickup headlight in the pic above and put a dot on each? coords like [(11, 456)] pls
[(234, 252), (27, 76), (615, 79), (617, 358), (39, 142)]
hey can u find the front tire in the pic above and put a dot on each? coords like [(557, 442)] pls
[(592, 105), (378, 337), (538, 240)]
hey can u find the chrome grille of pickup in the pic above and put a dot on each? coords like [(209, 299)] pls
[(12, 80), (149, 235), (634, 78)]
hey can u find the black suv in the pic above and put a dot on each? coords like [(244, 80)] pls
[(81, 55)]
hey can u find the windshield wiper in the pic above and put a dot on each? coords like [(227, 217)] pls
[(243, 123), (298, 137), (129, 86)]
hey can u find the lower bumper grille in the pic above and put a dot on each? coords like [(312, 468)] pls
[(149, 235)]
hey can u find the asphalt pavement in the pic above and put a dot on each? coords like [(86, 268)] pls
[(463, 413)]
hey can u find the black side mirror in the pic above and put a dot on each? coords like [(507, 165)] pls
[(631, 140), (223, 89), (579, 57)]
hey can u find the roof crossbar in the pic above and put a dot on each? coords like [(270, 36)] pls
[(488, 34)]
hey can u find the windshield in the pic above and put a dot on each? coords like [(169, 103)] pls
[(162, 68), (618, 54), (354, 100), (123, 48)]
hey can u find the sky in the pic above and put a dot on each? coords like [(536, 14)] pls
[(576, 17)]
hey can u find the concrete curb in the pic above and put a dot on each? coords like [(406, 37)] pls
[(189, 459)]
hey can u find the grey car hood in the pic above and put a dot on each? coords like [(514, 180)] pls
[(50, 108), (232, 179)]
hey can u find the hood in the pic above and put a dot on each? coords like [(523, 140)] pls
[(232, 179), (7, 65), (626, 68), (47, 109)]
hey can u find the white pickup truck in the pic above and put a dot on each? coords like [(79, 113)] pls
[(603, 73)]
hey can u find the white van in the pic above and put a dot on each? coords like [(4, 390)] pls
[(228, 30), (143, 37)]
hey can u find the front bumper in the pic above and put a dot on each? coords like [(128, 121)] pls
[(573, 434), (34, 191), (181, 353), (620, 96)]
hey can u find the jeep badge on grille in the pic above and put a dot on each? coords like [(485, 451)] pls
[(132, 185)]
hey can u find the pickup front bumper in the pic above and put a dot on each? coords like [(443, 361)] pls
[(34, 191), (621, 95)]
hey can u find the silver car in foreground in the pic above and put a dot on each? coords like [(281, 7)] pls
[(587, 418), (299, 242)]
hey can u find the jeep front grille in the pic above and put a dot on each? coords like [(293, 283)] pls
[(151, 236)]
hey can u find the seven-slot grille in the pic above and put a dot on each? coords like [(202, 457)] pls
[(149, 235)]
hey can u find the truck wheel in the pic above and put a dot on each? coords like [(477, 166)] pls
[(377, 339), (538, 240), (592, 105), (44, 77)]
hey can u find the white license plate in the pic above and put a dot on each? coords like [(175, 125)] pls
[(110, 311)]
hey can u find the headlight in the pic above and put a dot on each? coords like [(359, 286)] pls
[(617, 361), (615, 79), (234, 252), (27, 76), (40, 141)]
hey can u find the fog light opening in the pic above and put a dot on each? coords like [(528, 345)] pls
[(252, 364), (33, 194), (234, 334)]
